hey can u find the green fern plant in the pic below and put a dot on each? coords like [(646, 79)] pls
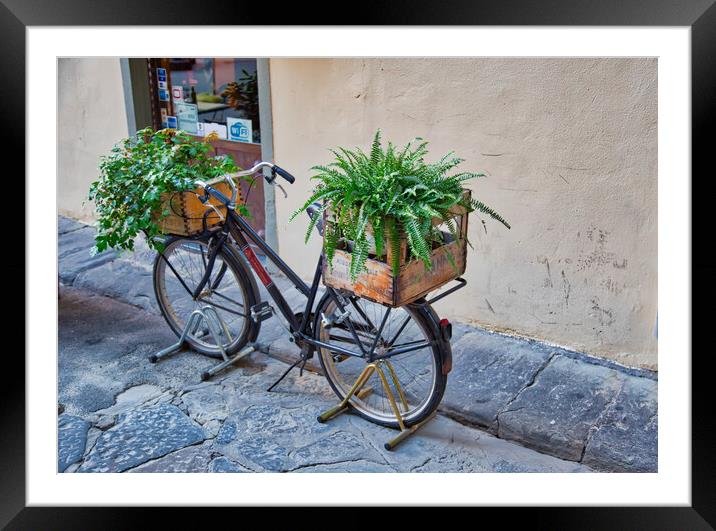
[(385, 193)]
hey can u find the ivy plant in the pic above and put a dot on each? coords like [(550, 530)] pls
[(380, 195), (139, 169)]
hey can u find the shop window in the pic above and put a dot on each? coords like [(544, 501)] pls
[(204, 95)]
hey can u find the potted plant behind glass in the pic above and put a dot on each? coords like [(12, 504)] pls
[(146, 185), (395, 225)]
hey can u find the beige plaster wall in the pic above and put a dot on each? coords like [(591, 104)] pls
[(91, 119), (570, 149)]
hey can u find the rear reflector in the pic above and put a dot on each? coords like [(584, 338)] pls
[(446, 329)]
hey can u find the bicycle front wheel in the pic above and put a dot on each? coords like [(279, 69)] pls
[(415, 377), (177, 273)]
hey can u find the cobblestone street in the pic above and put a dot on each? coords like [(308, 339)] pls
[(122, 413), (511, 405)]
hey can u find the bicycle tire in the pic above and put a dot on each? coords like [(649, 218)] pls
[(421, 317), (249, 331)]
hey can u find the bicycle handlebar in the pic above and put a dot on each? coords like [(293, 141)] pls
[(231, 203), (283, 173), (244, 173)]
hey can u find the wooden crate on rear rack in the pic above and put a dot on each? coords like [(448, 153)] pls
[(186, 211), (413, 280)]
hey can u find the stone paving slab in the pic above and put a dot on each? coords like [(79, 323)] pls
[(276, 431), (75, 241), (65, 225), (73, 264), (489, 370), (140, 435), (72, 439), (73, 251), (626, 436), (189, 459), (207, 404), (358, 466), (121, 279), (556, 413), (224, 465)]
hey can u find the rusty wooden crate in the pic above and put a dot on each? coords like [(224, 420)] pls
[(186, 211), (414, 280)]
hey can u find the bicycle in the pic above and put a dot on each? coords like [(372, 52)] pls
[(363, 347)]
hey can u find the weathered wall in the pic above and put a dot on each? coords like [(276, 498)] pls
[(570, 149), (92, 118)]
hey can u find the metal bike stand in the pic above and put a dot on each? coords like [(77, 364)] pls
[(361, 393), (215, 324)]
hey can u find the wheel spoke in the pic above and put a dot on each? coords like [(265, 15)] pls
[(402, 327), (217, 293)]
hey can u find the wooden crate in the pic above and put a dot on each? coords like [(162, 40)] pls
[(186, 211), (413, 280)]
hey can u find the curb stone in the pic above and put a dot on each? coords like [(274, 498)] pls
[(488, 371), (555, 414), (630, 423)]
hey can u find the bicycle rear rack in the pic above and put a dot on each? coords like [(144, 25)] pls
[(215, 326)]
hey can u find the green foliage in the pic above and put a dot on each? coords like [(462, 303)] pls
[(391, 191), (137, 172)]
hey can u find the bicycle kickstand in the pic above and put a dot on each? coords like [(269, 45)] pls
[(360, 391), (215, 326), (302, 360)]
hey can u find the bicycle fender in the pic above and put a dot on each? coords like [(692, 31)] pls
[(446, 348)]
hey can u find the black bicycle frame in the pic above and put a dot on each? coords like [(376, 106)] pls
[(301, 331)]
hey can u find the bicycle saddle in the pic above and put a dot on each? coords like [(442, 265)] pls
[(314, 210)]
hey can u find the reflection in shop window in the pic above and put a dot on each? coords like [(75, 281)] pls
[(207, 95)]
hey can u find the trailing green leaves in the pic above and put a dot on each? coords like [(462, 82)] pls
[(137, 172), (386, 193)]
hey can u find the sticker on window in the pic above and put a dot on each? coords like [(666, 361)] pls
[(239, 129), (187, 115), (204, 129), (177, 94)]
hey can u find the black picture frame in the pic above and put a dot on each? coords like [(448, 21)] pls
[(699, 15)]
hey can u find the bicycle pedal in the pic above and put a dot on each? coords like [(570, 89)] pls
[(261, 312)]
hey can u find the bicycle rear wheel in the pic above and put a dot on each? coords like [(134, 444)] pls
[(177, 272), (420, 381)]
